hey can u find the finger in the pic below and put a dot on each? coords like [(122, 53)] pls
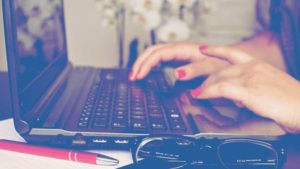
[(140, 59), (228, 90), (203, 67), (180, 52), (230, 54), (229, 74)]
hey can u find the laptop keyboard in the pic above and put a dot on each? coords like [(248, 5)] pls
[(116, 103)]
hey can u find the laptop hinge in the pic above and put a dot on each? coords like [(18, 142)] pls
[(23, 127)]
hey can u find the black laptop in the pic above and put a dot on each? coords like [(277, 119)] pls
[(60, 104)]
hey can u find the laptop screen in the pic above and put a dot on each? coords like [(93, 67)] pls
[(39, 46)]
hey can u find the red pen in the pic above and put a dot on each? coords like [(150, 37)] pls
[(70, 155)]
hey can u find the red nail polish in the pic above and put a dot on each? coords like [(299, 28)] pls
[(181, 74), (196, 92), (131, 75), (203, 47)]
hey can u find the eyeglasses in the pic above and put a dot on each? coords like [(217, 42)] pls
[(228, 153)]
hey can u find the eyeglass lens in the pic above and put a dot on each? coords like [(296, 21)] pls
[(243, 155), (174, 150)]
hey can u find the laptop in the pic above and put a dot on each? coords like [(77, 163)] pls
[(56, 103)]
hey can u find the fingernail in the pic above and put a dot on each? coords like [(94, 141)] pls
[(181, 74), (131, 75), (196, 92), (203, 47)]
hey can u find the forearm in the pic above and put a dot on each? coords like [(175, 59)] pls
[(265, 46)]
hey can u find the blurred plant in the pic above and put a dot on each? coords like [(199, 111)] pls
[(175, 19), (165, 20), (170, 18)]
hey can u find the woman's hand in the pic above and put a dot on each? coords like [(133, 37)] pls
[(260, 87), (198, 65)]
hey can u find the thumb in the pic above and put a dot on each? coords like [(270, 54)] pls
[(226, 90)]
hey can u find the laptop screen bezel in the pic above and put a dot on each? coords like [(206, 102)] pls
[(39, 85)]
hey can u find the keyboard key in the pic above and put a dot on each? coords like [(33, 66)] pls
[(84, 119), (120, 124), (158, 126), (155, 111), (138, 113), (139, 124), (116, 118), (100, 125), (123, 109), (178, 126), (82, 124), (156, 116), (121, 113), (100, 122), (136, 117), (138, 109), (175, 116), (102, 114)]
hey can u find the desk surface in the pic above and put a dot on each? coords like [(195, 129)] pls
[(9, 160)]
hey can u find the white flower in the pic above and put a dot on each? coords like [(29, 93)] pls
[(43, 9), (26, 40), (145, 5), (174, 30), (176, 4), (149, 20)]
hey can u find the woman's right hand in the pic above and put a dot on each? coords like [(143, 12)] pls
[(199, 64)]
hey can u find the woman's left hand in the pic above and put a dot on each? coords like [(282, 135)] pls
[(262, 88)]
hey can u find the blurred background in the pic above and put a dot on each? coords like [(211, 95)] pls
[(93, 38)]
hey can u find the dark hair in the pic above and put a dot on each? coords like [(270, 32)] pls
[(275, 16), (268, 14)]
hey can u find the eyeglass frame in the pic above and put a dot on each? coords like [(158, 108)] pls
[(270, 142)]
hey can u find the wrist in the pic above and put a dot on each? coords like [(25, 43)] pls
[(290, 119)]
